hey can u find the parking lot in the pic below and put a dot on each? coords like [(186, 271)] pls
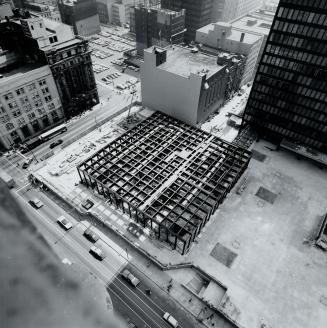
[(110, 71)]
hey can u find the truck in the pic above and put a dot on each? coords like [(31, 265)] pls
[(8, 179)]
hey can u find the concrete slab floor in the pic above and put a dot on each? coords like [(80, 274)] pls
[(277, 278)]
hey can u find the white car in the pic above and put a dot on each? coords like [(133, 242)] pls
[(97, 253), (64, 223), (171, 320), (36, 203)]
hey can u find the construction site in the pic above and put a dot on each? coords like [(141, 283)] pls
[(167, 176)]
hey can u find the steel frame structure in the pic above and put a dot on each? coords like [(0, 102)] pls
[(166, 175)]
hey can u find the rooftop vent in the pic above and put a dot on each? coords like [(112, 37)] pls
[(251, 22)]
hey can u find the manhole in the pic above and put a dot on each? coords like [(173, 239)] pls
[(223, 255), (266, 195), (258, 156)]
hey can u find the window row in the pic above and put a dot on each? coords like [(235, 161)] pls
[(302, 15)]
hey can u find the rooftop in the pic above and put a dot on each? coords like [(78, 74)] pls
[(255, 22), (183, 62)]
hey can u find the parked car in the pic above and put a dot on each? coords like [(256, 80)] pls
[(91, 235), (36, 203), (171, 320), (97, 253), (128, 276), (87, 204), (56, 143), (64, 223)]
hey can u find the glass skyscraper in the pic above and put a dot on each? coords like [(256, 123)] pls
[(289, 94)]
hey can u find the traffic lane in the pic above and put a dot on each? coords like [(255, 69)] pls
[(75, 252), (162, 299), (66, 244), (52, 211), (149, 313)]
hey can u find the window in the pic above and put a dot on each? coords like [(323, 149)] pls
[(41, 110), (17, 113), (4, 119), (2, 109), (20, 91), (38, 103), (32, 27), (31, 87), (51, 106), (35, 95), (45, 90), (21, 121), (12, 105), (9, 126), (42, 82), (28, 108), (48, 98), (31, 116), (8, 96)]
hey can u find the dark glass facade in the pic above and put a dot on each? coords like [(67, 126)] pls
[(289, 95), (198, 14)]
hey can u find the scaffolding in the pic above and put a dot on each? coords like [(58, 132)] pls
[(166, 175)]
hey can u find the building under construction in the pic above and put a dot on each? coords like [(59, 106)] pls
[(166, 175)]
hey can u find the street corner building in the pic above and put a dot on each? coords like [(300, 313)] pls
[(167, 176)]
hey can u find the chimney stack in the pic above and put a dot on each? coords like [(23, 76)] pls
[(242, 37)]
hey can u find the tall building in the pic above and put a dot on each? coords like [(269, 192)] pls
[(289, 96), (222, 36), (155, 26), (188, 85), (227, 10), (81, 14), (198, 14)]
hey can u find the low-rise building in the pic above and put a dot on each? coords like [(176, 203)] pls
[(29, 101), (258, 22), (187, 84), (224, 37)]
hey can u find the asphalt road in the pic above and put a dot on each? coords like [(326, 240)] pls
[(130, 302)]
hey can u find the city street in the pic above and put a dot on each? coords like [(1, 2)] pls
[(132, 303)]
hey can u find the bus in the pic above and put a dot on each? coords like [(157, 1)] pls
[(53, 132)]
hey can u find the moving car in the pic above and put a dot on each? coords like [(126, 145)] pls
[(56, 143), (27, 163), (97, 252), (127, 275), (87, 204), (64, 223), (171, 320), (91, 235), (36, 203)]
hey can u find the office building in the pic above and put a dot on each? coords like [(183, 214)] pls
[(198, 14), (29, 99), (289, 95), (54, 44), (43, 10), (227, 10), (188, 85), (155, 26), (167, 176), (81, 14), (221, 36)]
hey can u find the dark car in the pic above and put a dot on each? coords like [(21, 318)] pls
[(87, 204), (97, 252), (56, 143), (91, 235)]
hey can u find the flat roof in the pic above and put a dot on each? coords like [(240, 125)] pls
[(61, 45), (183, 62), (261, 23), (19, 71)]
